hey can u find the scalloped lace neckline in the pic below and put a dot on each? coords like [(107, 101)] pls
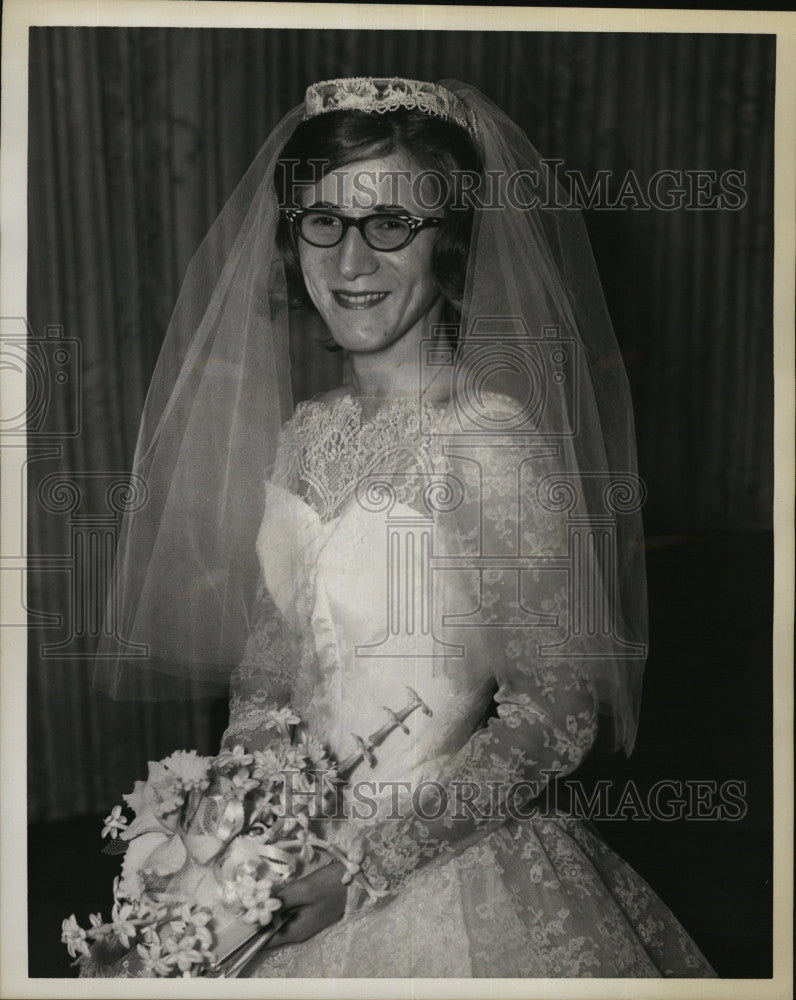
[(352, 404), (334, 448)]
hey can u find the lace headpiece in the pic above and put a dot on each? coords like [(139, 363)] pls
[(366, 93)]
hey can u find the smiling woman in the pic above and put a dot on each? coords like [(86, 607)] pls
[(400, 162), (393, 290), (460, 519)]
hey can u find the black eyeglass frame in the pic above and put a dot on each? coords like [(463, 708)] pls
[(295, 215)]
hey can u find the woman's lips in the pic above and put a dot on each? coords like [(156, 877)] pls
[(359, 300)]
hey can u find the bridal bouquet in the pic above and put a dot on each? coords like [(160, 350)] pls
[(212, 841)]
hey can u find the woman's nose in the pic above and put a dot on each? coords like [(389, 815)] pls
[(355, 257)]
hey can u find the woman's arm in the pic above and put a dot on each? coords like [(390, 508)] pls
[(262, 680), (545, 727), (547, 708)]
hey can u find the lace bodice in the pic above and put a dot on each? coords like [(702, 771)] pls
[(325, 451), (322, 548)]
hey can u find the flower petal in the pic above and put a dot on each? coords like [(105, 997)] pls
[(143, 800), (134, 861), (168, 858)]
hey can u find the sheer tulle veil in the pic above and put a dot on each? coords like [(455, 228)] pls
[(534, 327)]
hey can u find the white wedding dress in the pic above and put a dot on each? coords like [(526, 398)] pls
[(345, 630)]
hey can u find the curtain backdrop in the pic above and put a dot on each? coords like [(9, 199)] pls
[(137, 138)]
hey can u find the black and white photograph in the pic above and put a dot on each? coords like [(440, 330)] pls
[(397, 550)]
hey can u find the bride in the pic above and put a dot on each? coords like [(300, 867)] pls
[(456, 525)]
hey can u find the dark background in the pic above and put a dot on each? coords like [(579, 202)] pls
[(137, 138)]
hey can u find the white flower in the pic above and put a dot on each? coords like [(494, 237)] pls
[(182, 953), (281, 718), (315, 752), (258, 903), (242, 853), (144, 800), (136, 860), (160, 777), (233, 890), (190, 953), (151, 911), (153, 958), (267, 765), (195, 916), (131, 886), (252, 897), (293, 758), (304, 838), (191, 770), (192, 937), (114, 823), (169, 803), (123, 926), (74, 937), (154, 799), (242, 784), (292, 807), (235, 758)]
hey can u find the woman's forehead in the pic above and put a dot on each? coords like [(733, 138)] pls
[(394, 180)]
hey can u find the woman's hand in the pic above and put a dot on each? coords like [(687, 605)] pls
[(315, 902)]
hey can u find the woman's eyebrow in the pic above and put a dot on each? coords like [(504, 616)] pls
[(381, 207)]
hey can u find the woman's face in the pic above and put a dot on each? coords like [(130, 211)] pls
[(369, 298)]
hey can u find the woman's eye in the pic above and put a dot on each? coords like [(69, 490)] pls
[(390, 225), (323, 221)]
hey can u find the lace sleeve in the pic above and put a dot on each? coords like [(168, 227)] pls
[(262, 680), (547, 709)]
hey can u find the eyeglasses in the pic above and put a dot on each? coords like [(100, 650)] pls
[(322, 227)]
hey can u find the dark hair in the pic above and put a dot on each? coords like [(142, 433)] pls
[(338, 138)]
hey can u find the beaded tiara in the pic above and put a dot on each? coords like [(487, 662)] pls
[(364, 93)]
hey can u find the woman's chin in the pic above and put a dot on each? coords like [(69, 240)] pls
[(364, 342)]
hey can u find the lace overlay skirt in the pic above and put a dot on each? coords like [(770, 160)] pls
[(541, 898)]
